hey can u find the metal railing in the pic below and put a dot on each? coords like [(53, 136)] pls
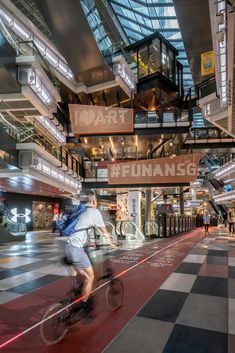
[(169, 225)]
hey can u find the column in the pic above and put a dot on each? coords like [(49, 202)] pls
[(134, 206), (181, 201)]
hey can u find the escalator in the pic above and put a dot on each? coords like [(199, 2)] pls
[(215, 207), (220, 210), (10, 231), (130, 231)]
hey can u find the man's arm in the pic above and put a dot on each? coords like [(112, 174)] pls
[(106, 234)]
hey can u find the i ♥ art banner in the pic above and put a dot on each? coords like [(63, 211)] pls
[(95, 120)]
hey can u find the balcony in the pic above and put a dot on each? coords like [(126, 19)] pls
[(153, 122)]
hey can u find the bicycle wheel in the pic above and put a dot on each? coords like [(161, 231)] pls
[(54, 328), (114, 294)]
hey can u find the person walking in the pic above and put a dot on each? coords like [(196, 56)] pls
[(232, 223), (54, 222), (206, 221)]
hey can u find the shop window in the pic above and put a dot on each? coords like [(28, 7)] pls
[(171, 65), (43, 213), (143, 61), (133, 64), (165, 61), (154, 56)]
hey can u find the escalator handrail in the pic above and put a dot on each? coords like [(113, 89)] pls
[(134, 225), (118, 233)]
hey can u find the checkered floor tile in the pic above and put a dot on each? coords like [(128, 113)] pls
[(194, 309), (32, 264)]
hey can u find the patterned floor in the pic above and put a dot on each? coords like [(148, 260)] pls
[(194, 309), (187, 304), (27, 266)]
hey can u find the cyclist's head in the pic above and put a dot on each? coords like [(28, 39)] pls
[(92, 199)]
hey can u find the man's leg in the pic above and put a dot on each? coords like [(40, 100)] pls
[(88, 275)]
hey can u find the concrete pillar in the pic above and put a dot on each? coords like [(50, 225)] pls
[(148, 197), (194, 194), (181, 201)]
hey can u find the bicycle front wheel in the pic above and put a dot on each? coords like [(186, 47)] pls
[(54, 328), (114, 294)]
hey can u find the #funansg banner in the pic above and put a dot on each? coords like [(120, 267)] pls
[(170, 170)]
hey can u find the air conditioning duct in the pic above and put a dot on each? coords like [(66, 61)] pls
[(26, 159)]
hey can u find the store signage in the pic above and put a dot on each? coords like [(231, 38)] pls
[(178, 169), (134, 200), (94, 120), (207, 63), (20, 217), (165, 208)]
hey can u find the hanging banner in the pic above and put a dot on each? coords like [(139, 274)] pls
[(178, 169), (97, 120), (207, 63)]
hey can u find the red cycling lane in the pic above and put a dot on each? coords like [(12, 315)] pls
[(142, 271)]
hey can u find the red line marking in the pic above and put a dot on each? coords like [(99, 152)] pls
[(12, 339)]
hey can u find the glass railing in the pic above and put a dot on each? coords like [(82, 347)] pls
[(152, 230), (206, 88), (153, 117), (16, 229), (207, 133)]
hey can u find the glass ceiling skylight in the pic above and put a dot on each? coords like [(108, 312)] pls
[(140, 18)]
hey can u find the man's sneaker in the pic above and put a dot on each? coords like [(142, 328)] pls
[(86, 312)]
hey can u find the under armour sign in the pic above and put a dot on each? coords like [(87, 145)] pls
[(20, 217), (172, 170), (95, 120)]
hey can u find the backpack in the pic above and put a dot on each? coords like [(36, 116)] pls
[(67, 226)]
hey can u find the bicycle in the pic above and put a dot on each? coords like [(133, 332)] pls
[(61, 315)]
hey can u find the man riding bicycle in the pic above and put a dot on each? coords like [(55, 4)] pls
[(74, 246)]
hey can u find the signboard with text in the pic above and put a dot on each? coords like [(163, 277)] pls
[(207, 63), (178, 169), (98, 120), (134, 205)]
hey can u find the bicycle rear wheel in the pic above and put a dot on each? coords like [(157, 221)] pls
[(114, 294), (54, 328)]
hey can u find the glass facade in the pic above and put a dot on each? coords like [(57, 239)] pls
[(96, 25), (141, 18), (155, 55)]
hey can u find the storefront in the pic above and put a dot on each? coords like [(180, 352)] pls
[(43, 213), (36, 211)]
